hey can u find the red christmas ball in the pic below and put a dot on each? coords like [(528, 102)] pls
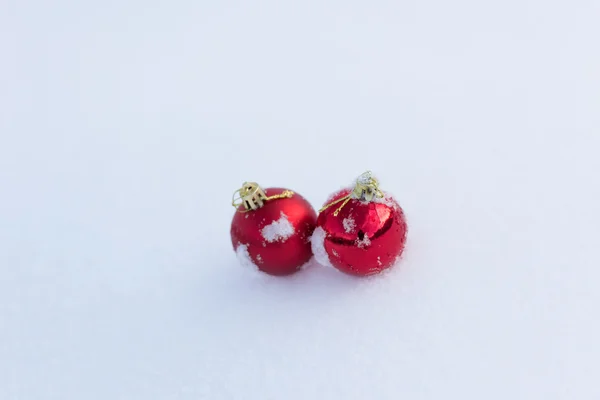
[(360, 231), (271, 229)]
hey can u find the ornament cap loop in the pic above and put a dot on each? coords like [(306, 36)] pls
[(252, 197)]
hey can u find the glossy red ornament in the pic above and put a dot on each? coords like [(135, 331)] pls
[(275, 237), (364, 238)]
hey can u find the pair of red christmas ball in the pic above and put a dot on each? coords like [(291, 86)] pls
[(360, 231)]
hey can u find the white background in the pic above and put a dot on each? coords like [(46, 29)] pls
[(125, 127)]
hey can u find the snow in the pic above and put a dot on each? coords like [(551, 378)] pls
[(387, 199), (244, 256), (365, 178), (278, 231), (318, 247), (364, 242), (125, 128), (349, 224)]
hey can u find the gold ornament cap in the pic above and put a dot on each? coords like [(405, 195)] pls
[(252, 197), (366, 188)]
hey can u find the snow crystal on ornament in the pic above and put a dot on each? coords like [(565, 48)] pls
[(364, 242), (318, 247), (279, 230), (349, 224), (244, 257), (387, 199), (365, 178)]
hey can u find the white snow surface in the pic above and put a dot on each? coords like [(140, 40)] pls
[(125, 127), (278, 231)]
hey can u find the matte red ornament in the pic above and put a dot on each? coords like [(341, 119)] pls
[(364, 235), (271, 229)]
